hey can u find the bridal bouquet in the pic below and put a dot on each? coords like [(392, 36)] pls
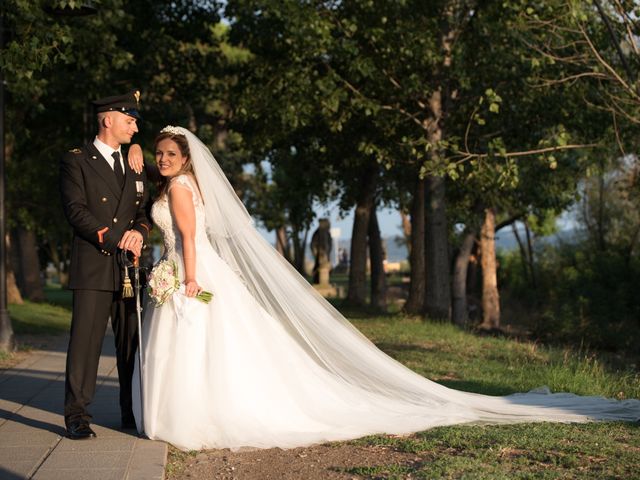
[(164, 282)]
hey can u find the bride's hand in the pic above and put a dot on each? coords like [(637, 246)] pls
[(191, 288), (135, 158)]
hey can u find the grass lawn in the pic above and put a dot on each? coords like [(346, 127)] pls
[(40, 319), (498, 366), (50, 318), (525, 451)]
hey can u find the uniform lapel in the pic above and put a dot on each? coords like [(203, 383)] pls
[(102, 168), (129, 189)]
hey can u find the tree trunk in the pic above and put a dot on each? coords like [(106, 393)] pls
[(473, 291), (282, 243), (523, 252), (376, 255), (6, 334), (57, 253), (299, 254), (601, 241), (13, 293), (13, 296), (29, 277), (490, 295), (438, 276), (460, 309), (406, 230), (417, 287), (532, 267), (438, 297), (357, 292)]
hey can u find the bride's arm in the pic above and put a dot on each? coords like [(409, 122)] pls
[(184, 214), (135, 159)]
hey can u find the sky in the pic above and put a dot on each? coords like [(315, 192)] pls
[(388, 219)]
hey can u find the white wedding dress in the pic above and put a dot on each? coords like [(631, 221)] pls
[(274, 365)]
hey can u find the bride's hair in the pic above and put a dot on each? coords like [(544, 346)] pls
[(187, 168)]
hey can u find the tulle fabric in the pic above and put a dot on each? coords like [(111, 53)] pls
[(270, 363)]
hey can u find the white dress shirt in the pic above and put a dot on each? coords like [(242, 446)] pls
[(106, 151)]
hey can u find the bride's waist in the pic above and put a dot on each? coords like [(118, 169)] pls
[(175, 250)]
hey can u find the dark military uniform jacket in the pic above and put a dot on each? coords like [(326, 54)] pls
[(100, 212)]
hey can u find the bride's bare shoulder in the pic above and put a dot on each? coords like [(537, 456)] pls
[(183, 179), (186, 181)]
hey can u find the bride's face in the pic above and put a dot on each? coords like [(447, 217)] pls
[(169, 158)]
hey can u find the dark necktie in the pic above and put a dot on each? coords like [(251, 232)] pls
[(117, 168)]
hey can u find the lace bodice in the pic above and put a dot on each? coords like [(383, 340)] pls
[(162, 217)]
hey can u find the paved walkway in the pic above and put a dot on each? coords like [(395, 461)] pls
[(32, 442)]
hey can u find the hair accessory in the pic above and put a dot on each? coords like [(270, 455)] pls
[(172, 130)]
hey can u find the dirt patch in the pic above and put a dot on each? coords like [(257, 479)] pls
[(319, 462)]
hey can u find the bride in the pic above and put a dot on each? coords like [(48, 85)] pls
[(269, 362)]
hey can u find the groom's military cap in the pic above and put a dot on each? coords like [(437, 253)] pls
[(129, 104)]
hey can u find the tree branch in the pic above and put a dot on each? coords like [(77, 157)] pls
[(469, 155), (606, 65), (614, 40), (509, 221)]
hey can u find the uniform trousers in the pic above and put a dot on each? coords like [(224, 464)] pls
[(91, 312)]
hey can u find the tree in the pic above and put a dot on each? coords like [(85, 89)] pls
[(36, 45), (512, 146), (593, 43)]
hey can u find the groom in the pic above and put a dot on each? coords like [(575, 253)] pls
[(104, 200)]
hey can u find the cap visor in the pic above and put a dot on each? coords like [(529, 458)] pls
[(133, 113)]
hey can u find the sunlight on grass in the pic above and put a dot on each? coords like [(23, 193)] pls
[(50, 318), (540, 450), (39, 318), (495, 366)]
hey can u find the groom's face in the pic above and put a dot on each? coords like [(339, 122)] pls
[(122, 127)]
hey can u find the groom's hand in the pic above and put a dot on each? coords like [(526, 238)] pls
[(132, 241)]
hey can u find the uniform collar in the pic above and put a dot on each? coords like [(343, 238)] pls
[(105, 150)]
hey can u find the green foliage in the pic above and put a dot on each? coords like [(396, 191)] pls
[(583, 296), (585, 291), (173, 51)]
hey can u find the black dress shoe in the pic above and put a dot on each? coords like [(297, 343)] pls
[(80, 431)]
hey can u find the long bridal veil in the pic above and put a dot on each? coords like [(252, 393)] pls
[(340, 349)]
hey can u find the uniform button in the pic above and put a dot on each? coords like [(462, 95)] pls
[(115, 220), (104, 199), (130, 222), (137, 202)]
